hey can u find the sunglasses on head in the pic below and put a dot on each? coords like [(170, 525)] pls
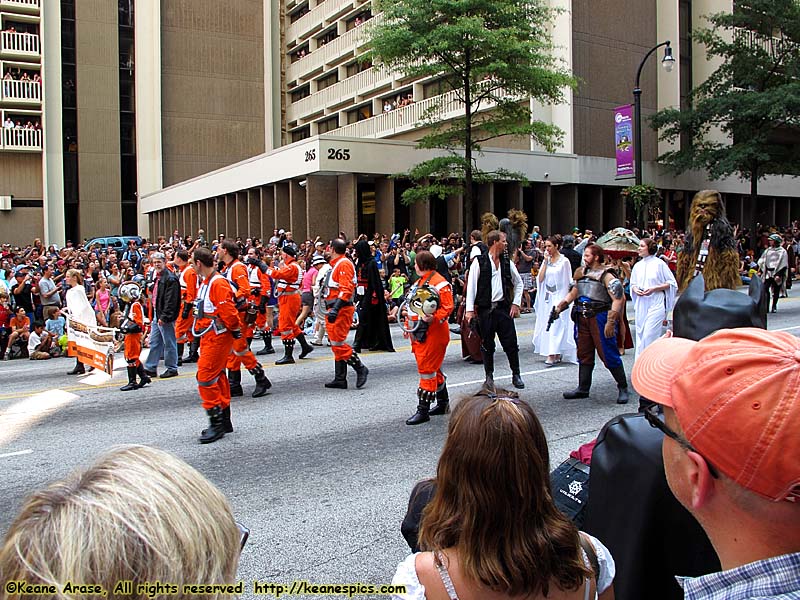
[(244, 533)]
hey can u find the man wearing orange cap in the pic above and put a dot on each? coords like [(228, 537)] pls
[(731, 414)]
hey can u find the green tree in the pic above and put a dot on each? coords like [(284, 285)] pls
[(753, 97), (492, 55)]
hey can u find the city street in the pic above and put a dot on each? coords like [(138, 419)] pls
[(321, 477)]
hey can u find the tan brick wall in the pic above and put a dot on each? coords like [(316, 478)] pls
[(212, 85)]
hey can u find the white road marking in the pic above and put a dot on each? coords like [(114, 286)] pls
[(20, 453), (787, 328), (19, 417), (545, 370)]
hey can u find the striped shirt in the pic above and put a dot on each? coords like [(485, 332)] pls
[(776, 577)]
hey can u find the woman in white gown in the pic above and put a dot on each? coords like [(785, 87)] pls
[(653, 289), (78, 309), (553, 282)]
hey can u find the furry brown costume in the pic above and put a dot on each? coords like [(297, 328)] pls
[(721, 268), (489, 223)]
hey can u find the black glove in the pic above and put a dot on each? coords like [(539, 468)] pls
[(333, 313), (262, 305), (253, 260), (236, 333), (131, 327), (187, 310)]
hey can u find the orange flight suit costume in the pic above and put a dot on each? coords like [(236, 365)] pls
[(236, 274), (430, 352), (133, 341), (183, 327), (339, 287), (288, 279), (220, 317)]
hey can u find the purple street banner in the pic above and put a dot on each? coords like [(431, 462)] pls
[(623, 140)]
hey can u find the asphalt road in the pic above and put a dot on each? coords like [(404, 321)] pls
[(321, 477)]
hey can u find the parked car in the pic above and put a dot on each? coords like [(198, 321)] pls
[(118, 242)]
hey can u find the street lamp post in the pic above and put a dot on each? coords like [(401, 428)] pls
[(667, 62)]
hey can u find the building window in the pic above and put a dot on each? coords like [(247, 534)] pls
[(299, 12), (328, 125), (301, 93), (360, 113), (327, 37), (359, 19), (358, 66), (299, 53), (436, 88), (301, 134), (327, 81)]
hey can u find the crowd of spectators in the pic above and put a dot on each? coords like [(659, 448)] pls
[(32, 278)]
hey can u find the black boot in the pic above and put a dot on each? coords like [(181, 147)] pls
[(442, 401), (360, 369), (180, 355), (488, 369), (216, 428), (424, 399), (513, 362), (227, 426), (144, 378), (78, 369), (193, 355), (262, 383), (584, 383), (235, 380), (307, 348), (622, 384), (267, 349), (288, 350), (340, 377), (131, 385)]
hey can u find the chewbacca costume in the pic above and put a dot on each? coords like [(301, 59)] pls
[(720, 266)]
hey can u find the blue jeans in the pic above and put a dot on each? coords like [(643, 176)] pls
[(162, 343)]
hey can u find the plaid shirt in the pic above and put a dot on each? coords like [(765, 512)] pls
[(777, 577)]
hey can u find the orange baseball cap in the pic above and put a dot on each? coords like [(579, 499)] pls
[(736, 395)]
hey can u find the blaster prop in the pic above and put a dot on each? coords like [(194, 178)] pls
[(553, 316)]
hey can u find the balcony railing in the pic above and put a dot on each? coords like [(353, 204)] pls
[(26, 44), (336, 49), (360, 83), (408, 117), (319, 14), (23, 91), (770, 44), (24, 5), (21, 139)]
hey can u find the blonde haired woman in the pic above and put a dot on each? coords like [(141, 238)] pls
[(137, 514), (78, 309)]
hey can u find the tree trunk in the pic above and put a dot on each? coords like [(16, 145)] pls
[(469, 219)]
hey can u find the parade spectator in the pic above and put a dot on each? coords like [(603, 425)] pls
[(40, 342), (491, 528), (5, 322), (20, 326), (100, 526), (48, 291), (23, 290), (525, 261), (165, 303), (744, 494)]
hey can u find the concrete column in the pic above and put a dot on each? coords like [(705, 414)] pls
[(348, 204), (384, 205), (542, 208), (147, 55), (322, 193), (152, 219), (669, 84), (702, 68), (267, 210), (297, 211), (421, 217), (191, 220), (455, 213), (221, 222), (794, 209), (614, 209), (485, 201), (593, 208), (53, 136), (514, 191), (565, 207), (282, 220), (254, 227), (242, 217), (202, 218), (230, 230)]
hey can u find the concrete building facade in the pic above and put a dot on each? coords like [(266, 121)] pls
[(244, 116)]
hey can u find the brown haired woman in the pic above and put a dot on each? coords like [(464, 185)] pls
[(491, 530)]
